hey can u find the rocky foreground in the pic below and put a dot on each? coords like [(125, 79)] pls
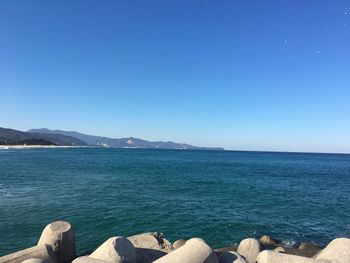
[(57, 245)]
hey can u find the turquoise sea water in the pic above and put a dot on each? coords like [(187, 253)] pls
[(220, 196)]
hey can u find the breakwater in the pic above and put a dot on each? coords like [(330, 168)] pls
[(57, 245)]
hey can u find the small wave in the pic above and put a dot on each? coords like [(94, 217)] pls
[(289, 242)]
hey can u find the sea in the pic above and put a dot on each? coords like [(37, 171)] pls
[(220, 196)]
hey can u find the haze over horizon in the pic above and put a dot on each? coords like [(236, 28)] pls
[(242, 75)]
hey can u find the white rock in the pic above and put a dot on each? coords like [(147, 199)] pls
[(268, 256), (249, 248), (231, 257), (194, 251), (43, 252), (60, 235), (337, 251), (116, 249)]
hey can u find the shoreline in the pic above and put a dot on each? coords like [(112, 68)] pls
[(9, 147), (57, 244)]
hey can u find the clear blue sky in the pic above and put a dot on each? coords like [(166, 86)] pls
[(251, 75)]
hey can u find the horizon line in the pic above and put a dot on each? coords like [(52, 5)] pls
[(223, 148)]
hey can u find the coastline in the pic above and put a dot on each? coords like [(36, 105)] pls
[(9, 147), (57, 244)]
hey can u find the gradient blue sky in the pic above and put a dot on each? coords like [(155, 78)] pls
[(250, 75)]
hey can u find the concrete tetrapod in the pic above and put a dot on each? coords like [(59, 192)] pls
[(116, 249), (150, 246), (249, 248), (151, 240), (43, 252), (280, 250), (179, 243), (267, 240), (194, 251), (231, 257), (87, 259), (35, 260), (337, 251), (268, 256), (60, 235)]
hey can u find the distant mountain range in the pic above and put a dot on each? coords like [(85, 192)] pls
[(14, 137), (72, 138)]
